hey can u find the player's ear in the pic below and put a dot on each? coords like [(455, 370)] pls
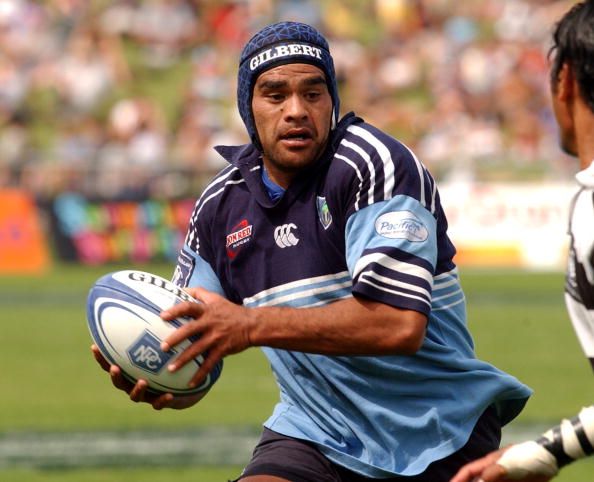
[(565, 86)]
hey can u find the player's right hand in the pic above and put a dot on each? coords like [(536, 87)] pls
[(216, 326), (138, 391)]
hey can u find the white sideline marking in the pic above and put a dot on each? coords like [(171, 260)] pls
[(208, 446), (213, 446)]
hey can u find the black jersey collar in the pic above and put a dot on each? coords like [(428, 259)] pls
[(248, 159)]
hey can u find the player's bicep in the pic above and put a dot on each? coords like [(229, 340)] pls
[(392, 251)]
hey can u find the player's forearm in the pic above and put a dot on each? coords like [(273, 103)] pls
[(346, 327), (571, 440)]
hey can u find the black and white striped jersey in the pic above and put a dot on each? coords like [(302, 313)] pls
[(579, 284)]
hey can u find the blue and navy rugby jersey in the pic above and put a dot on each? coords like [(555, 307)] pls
[(365, 220)]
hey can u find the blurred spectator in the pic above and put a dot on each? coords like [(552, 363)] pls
[(14, 140), (135, 150), (164, 28), (14, 84), (227, 24), (78, 142), (89, 69), (25, 33)]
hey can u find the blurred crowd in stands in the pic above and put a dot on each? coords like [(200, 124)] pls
[(125, 98)]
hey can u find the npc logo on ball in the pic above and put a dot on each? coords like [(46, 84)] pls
[(146, 353)]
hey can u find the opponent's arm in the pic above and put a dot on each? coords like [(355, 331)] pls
[(536, 460), (354, 326)]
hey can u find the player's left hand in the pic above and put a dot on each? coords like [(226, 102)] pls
[(138, 391), (220, 325)]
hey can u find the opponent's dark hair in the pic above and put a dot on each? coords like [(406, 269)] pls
[(573, 44)]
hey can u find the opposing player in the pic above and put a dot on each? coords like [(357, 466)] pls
[(324, 242), (572, 90)]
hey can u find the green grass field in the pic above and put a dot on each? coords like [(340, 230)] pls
[(52, 386)]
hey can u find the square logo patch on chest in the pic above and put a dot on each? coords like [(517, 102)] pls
[(323, 212)]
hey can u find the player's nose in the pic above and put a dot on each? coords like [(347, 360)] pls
[(295, 108)]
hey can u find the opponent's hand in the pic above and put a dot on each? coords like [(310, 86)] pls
[(222, 328), (138, 391), (471, 471), (486, 469)]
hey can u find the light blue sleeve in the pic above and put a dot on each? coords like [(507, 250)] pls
[(193, 271), (391, 250)]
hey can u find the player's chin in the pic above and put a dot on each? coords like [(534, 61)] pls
[(295, 166), (298, 157)]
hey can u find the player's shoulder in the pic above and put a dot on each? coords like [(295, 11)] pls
[(368, 146), (377, 166), (217, 188), (210, 202), (367, 152), (208, 205)]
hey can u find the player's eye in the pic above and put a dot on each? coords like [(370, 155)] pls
[(275, 97)]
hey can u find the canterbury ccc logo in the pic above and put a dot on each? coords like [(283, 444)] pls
[(284, 237)]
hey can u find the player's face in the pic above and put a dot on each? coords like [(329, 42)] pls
[(292, 112)]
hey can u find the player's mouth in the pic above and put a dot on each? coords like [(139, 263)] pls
[(297, 138)]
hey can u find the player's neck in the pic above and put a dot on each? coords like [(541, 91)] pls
[(584, 131)]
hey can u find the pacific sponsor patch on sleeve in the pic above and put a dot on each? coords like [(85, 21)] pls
[(401, 225)]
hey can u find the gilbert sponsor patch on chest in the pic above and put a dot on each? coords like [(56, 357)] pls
[(401, 225)]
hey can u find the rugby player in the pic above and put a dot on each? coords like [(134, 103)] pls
[(572, 91), (324, 242)]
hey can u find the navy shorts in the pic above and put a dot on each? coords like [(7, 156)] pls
[(300, 461)]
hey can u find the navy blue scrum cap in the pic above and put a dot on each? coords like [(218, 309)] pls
[(278, 44)]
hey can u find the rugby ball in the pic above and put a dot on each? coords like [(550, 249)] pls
[(123, 317)]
